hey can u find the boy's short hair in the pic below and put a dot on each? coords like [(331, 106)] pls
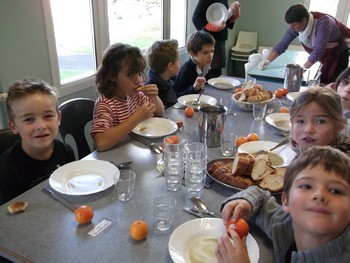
[(296, 13), (27, 87), (325, 97), (161, 53), (331, 159), (345, 74), (197, 40)]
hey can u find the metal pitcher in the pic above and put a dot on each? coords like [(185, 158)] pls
[(211, 123), (293, 77)]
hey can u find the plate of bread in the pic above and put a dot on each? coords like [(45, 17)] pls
[(245, 170)]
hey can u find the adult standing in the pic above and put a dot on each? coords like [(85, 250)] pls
[(321, 35), (219, 32)]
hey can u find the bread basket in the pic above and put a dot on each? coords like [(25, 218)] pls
[(247, 106)]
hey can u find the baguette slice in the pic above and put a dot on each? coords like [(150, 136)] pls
[(272, 182), (241, 163), (17, 207), (261, 167)]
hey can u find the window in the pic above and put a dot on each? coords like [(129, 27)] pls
[(80, 30)]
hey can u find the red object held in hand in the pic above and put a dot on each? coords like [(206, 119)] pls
[(241, 227)]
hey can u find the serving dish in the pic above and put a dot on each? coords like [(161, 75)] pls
[(248, 106)]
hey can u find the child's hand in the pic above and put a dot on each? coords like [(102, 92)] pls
[(144, 111), (199, 83), (150, 90), (227, 252), (239, 208)]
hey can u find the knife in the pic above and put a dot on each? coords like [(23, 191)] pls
[(188, 210), (59, 199)]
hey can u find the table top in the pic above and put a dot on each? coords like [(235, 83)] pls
[(48, 232), (276, 69)]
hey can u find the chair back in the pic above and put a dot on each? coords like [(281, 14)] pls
[(246, 41), (7, 139), (76, 113)]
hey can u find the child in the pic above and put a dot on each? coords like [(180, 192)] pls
[(317, 119), (163, 58), (191, 77), (124, 102), (312, 225), (32, 110), (342, 86)]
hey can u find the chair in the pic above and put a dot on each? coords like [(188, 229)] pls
[(76, 113), (7, 139)]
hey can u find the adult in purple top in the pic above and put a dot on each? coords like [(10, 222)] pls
[(321, 35)]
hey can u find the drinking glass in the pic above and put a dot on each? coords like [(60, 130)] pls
[(259, 111), (163, 210), (125, 185), (313, 83), (196, 161)]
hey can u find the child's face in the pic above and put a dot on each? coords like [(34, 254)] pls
[(204, 57), (36, 121), (344, 92), (313, 126), (319, 204), (127, 82), (175, 67)]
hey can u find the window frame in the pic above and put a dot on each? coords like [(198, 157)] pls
[(343, 10)]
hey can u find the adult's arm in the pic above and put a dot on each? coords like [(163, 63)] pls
[(282, 46)]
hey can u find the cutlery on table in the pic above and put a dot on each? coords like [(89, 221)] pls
[(122, 166), (201, 207), (188, 210), (152, 146), (281, 143), (59, 199), (196, 102)]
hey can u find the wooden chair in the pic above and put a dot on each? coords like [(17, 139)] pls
[(76, 113), (7, 139)]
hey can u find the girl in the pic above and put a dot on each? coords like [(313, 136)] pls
[(317, 119), (124, 101), (342, 86)]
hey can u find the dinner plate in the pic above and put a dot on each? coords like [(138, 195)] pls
[(188, 100), (195, 241), (217, 13), (224, 83), (292, 95), (280, 121), (155, 128), (84, 177), (284, 154)]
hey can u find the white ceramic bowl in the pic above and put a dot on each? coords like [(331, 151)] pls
[(247, 106)]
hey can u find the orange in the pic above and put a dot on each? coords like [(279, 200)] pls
[(175, 139), (284, 91), (189, 112), (84, 214), (138, 230), (241, 227), (284, 110), (238, 90), (240, 140), (252, 137), (168, 140), (278, 93)]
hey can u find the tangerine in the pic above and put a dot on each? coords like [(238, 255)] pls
[(284, 110), (189, 112), (84, 214), (285, 91), (252, 137), (238, 90), (278, 93), (240, 140), (169, 140), (175, 139), (138, 230), (241, 227)]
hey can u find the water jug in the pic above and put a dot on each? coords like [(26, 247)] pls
[(293, 77), (211, 123)]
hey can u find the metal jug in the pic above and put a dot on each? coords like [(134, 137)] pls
[(211, 123), (293, 77)]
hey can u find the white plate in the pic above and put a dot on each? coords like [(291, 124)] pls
[(285, 151), (155, 128), (188, 234), (216, 13), (292, 95), (224, 83), (84, 177), (188, 100), (280, 121)]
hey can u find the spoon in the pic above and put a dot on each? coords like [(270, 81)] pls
[(200, 206), (283, 142), (196, 102), (152, 146), (121, 166)]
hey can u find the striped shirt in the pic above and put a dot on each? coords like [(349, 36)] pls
[(111, 112)]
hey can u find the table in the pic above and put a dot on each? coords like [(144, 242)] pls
[(276, 69), (48, 232)]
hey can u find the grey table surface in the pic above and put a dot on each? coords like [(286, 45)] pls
[(48, 232)]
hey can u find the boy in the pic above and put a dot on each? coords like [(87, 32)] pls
[(163, 59), (32, 109), (191, 77), (312, 225)]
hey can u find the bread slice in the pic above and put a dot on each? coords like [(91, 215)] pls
[(241, 163), (281, 171), (272, 182), (17, 207), (261, 167)]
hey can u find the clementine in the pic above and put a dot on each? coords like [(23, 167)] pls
[(169, 140), (284, 110), (84, 214), (189, 112), (175, 139), (238, 90), (138, 230), (278, 93), (240, 140), (241, 227), (284, 91), (252, 137)]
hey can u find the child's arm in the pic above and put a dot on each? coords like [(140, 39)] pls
[(151, 91)]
